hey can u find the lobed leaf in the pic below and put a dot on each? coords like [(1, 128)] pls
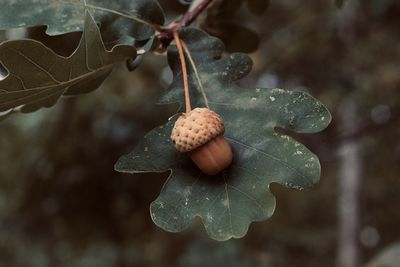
[(37, 77), (228, 202), (123, 17)]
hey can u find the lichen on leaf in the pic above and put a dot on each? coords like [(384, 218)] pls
[(228, 202)]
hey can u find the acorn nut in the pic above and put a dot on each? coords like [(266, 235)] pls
[(200, 134)]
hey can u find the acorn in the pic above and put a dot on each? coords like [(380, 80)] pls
[(199, 133)]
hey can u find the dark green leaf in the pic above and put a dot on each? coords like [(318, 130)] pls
[(37, 77), (227, 203), (148, 45), (223, 21), (133, 63), (117, 18)]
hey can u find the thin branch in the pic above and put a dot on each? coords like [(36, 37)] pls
[(196, 73), (184, 71), (193, 12)]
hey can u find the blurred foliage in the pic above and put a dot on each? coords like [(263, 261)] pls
[(231, 22), (61, 203)]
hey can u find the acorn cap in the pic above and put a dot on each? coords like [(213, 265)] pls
[(196, 128)]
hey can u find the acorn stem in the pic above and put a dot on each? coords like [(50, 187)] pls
[(184, 71), (196, 73)]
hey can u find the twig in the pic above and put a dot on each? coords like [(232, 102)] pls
[(184, 71), (166, 35), (193, 12)]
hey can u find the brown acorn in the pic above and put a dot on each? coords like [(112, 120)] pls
[(200, 134)]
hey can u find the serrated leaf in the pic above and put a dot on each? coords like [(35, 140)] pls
[(37, 76), (228, 202), (122, 17)]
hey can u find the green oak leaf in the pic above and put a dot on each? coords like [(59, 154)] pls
[(37, 77), (228, 202), (117, 18)]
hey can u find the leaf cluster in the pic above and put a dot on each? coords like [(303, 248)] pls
[(36, 76)]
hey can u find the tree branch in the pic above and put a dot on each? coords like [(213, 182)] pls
[(193, 12), (166, 35)]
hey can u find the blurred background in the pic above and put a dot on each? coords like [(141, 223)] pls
[(62, 204)]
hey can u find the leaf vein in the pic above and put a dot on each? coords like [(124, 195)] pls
[(269, 156), (34, 63), (228, 205), (180, 199), (246, 195)]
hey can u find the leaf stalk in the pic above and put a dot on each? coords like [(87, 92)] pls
[(184, 71), (196, 73)]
